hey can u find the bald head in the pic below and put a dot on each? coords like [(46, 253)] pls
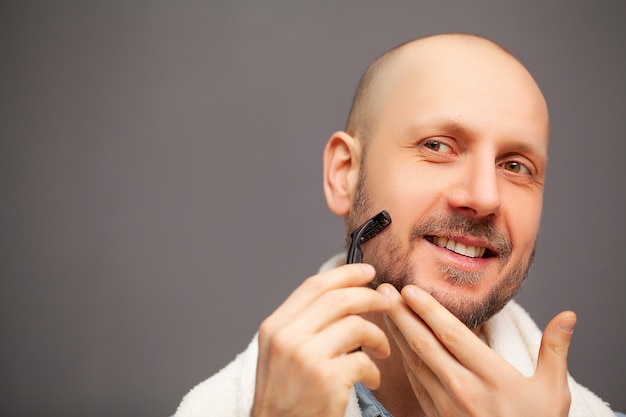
[(436, 53)]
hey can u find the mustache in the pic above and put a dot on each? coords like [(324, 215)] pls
[(455, 224)]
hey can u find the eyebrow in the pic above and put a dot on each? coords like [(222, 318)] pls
[(442, 124), (451, 126)]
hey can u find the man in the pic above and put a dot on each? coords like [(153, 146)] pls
[(449, 134)]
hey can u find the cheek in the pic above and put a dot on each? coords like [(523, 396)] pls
[(523, 219), (404, 190)]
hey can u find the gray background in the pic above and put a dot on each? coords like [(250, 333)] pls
[(160, 174)]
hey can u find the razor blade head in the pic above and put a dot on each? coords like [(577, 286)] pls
[(375, 225)]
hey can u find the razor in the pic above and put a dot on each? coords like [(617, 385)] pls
[(365, 232)]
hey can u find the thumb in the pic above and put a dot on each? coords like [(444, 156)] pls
[(552, 360)]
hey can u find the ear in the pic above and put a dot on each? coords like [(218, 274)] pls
[(342, 159)]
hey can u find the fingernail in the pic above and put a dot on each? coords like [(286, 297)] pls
[(567, 325), (409, 292), (368, 269), (384, 290)]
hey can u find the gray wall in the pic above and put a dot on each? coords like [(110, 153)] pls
[(160, 174)]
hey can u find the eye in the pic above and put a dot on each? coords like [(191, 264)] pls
[(437, 146), (516, 167)]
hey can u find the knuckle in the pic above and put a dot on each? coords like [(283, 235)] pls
[(266, 329), (322, 376), (280, 343), (465, 396), (364, 332), (314, 284), (419, 390), (356, 325), (420, 344), (559, 349), (462, 390), (364, 363), (414, 363), (301, 357), (450, 335), (277, 347), (335, 298)]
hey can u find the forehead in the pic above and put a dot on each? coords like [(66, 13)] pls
[(467, 84)]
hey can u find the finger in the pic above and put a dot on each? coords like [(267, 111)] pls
[(552, 360), (360, 367), (337, 304), (414, 365), (457, 338), (419, 338), (426, 385), (352, 275), (347, 335), (431, 363)]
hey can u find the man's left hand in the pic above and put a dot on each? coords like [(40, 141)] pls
[(453, 373)]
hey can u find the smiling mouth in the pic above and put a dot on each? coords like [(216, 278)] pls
[(460, 248)]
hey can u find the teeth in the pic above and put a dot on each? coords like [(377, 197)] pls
[(461, 249)]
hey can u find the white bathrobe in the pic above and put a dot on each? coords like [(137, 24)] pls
[(511, 333)]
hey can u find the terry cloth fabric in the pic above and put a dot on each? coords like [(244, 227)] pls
[(511, 333)]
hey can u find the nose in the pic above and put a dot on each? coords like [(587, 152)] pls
[(476, 190)]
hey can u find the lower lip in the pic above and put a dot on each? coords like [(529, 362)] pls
[(462, 262)]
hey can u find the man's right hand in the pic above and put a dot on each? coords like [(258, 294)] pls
[(308, 359)]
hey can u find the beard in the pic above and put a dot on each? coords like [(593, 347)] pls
[(394, 265)]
